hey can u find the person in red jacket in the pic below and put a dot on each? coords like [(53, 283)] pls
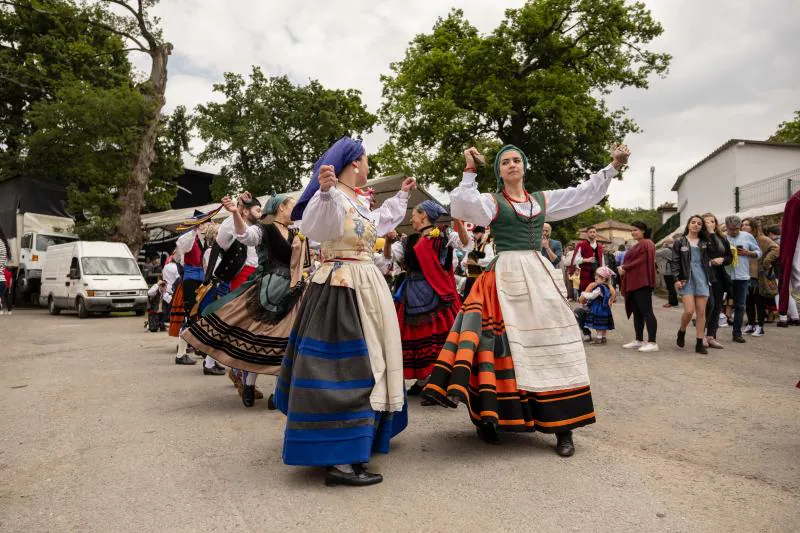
[(789, 259), (589, 256), (638, 281)]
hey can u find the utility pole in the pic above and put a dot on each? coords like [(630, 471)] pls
[(652, 188)]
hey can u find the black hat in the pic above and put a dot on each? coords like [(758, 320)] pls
[(197, 213), (478, 229)]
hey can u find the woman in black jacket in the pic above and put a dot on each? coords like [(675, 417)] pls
[(719, 251), (691, 266)]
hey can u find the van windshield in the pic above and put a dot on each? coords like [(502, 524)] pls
[(43, 241), (109, 266)]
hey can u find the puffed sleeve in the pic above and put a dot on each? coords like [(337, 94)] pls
[(391, 213), (565, 203), (454, 241), (468, 204), (186, 242), (251, 236), (323, 219)]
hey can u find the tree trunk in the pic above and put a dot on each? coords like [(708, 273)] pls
[(132, 194)]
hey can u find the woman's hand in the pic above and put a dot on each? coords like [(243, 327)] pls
[(473, 156), (326, 178), (680, 284), (621, 271), (409, 184), (717, 261)]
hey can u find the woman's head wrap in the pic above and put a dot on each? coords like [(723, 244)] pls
[(273, 204), (503, 150), (342, 153), (432, 209)]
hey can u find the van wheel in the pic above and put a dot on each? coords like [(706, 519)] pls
[(82, 312), (51, 306)]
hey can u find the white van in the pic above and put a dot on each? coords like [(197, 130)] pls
[(92, 277)]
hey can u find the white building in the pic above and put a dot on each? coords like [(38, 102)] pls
[(749, 178)]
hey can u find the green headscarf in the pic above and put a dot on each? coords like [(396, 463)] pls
[(273, 204), (504, 149)]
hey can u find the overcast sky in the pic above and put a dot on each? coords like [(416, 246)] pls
[(735, 71)]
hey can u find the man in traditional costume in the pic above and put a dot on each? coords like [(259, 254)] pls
[(588, 256), (191, 247), (515, 354), (341, 384)]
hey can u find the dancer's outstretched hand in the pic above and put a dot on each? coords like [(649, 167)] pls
[(620, 154), (228, 204), (472, 156), (327, 178), (409, 185)]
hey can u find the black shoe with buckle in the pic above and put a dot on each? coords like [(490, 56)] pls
[(564, 445), (249, 395), (215, 370), (359, 477), (186, 359)]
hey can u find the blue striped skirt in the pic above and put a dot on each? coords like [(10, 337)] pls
[(325, 383)]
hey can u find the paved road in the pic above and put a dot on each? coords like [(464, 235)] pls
[(102, 432)]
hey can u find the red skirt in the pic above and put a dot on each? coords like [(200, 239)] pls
[(242, 276), (423, 339)]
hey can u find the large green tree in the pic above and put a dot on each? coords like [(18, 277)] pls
[(268, 131), (568, 230), (44, 45), (788, 131), (536, 81)]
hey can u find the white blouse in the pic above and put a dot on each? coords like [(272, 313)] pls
[(323, 219), (468, 204), (454, 241)]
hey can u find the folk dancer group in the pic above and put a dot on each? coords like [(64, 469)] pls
[(341, 344)]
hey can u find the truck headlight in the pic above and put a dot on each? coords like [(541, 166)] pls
[(142, 292)]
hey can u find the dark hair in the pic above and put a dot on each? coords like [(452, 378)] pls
[(703, 234), (621, 248), (590, 228), (774, 230), (717, 230), (755, 225), (643, 227)]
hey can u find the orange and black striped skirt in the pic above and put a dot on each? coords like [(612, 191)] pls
[(177, 313), (476, 368)]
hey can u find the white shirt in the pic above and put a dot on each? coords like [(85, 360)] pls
[(170, 274), (227, 234), (454, 241), (468, 204), (579, 257)]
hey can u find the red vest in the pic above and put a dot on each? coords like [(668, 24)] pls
[(195, 256)]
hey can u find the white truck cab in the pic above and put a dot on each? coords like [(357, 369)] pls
[(31, 256), (92, 277)]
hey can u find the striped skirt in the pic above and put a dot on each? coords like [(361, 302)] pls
[(476, 367), (236, 339), (177, 314), (325, 383), (422, 342)]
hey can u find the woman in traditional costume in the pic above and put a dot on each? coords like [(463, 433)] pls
[(428, 300), (515, 354), (341, 383), (248, 330)]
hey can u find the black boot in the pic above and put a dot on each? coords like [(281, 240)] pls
[(359, 477), (488, 434), (699, 348), (249, 395), (681, 338), (271, 403), (564, 445)]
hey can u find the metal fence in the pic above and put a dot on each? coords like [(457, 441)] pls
[(772, 190)]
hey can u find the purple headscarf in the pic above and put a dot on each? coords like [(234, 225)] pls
[(342, 153)]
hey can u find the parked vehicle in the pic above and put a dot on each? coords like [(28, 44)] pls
[(92, 277)]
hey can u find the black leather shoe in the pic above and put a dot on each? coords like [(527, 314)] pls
[(681, 339), (249, 395), (358, 478), (271, 403), (564, 445), (794, 322), (185, 360), (414, 390), (488, 434), (739, 339), (700, 348), (215, 370)]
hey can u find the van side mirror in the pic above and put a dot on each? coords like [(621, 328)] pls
[(73, 273)]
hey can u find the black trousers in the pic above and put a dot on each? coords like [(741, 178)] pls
[(756, 305), (714, 307), (643, 316), (190, 287), (669, 281)]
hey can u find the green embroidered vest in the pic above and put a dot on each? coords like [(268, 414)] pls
[(513, 231)]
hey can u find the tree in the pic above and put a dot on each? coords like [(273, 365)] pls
[(131, 23), (269, 132), (43, 45), (536, 81), (788, 131), (567, 230)]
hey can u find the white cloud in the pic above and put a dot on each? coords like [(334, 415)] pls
[(734, 72)]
